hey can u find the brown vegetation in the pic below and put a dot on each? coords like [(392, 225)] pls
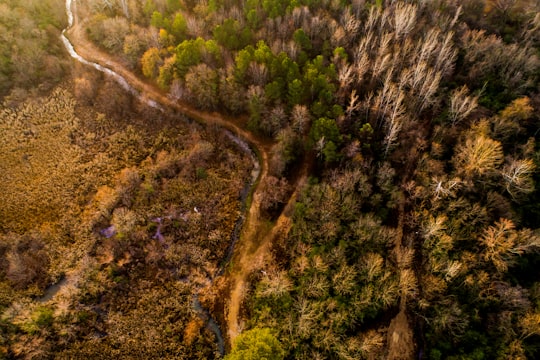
[(110, 190)]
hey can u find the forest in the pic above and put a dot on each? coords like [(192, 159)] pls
[(396, 216)]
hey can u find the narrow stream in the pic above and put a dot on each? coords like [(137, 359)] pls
[(117, 77), (243, 198), (197, 307), (53, 289)]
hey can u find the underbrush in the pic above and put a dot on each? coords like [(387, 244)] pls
[(132, 210)]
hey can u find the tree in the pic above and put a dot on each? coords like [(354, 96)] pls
[(256, 102), (302, 40), (232, 94), (530, 324), (157, 20), (461, 105), (508, 69), (404, 19), (165, 39), (179, 27), (151, 62), (212, 54), (124, 221), (256, 344), (503, 243), (478, 155), (509, 122), (242, 61), (134, 47), (394, 123), (115, 29), (28, 264), (274, 193), (231, 35), (300, 119), (167, 73), (202, 86), (188, 53), (517, 176), (501, 5), (274, 121), (295, 92), (325, 128), (519, 110), (325, 136), (286, 151)]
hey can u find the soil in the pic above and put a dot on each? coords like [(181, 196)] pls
[(400, 338)]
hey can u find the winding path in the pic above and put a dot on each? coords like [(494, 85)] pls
[(255, 239)]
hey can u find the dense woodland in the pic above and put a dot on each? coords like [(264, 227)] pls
[(421, 215), (32, 60)]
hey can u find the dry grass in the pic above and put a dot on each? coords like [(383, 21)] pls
[(64, 184)]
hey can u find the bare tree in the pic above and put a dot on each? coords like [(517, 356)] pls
[(300, 119), (353, 104), (258, 73), (351, 25), (446, 54), (445, 188), (362, 65), (394, 122), (517, 176), (503, 5), (375, 18), (383, 59), (461, 105), (346, 79), (202, 86), (429, 88), (427, 46), (404, 19)]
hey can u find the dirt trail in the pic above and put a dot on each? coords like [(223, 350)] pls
[(400, 338), (254, 243), (253, 252)]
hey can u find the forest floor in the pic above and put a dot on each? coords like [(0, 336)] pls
[(253, 247)]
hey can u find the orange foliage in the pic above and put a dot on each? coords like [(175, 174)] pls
[(192, 330)]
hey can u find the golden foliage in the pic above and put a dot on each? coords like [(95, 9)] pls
[(373, 264), (519, 110), (478, 155), (408, 283), (530, 324), (502, 243), (499, 241)]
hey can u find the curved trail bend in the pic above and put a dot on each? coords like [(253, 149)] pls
[(254, 242)]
